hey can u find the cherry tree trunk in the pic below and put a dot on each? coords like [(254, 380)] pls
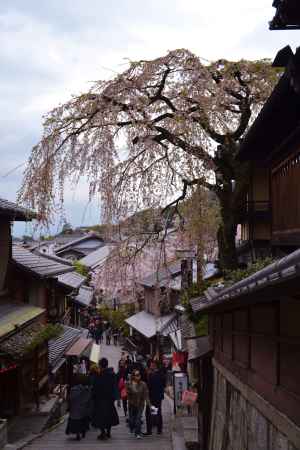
[(227, 236)]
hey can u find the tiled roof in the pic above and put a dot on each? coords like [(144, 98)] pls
[(198, 302), (276, 273), (14, 211), (42, 266), (71, 279), (85, 295), (13, 315), (58, 346), (74, 242), (161, 276), (16, 345), (79, 347), (97, 257), (147, 324)]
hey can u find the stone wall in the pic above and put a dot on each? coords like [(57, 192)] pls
[(242, 420)]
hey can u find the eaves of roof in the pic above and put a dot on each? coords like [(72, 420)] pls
[(283, 270), (14, 212), (77, 241), (277, 120)]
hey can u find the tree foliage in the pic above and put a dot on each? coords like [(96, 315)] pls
[(162, 125), (81, 268)]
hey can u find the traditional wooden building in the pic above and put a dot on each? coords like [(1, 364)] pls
[(23, 369), (255, 335), (81, 247), (23, 362), (151, 326), (43, 281), (271, 215)]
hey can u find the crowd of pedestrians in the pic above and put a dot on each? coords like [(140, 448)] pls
[(97, 328), (138, 387)]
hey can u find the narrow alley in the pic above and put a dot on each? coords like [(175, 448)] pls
[(121, 438)]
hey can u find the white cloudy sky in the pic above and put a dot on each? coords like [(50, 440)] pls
[(52, 49)]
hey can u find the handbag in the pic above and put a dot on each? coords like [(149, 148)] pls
[(189, 398), (123, 393)]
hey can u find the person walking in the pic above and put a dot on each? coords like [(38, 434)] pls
[(156, 386), (116, 336), (121, 377), (98, 331), (79, 407), (138, 396), (108, 336), (104, 389), (92, 330)]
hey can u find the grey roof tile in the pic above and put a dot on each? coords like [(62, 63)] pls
[(38, 264), (85, 295), (76, 241), (63, 342), (71, 279), (160, 277), (97, 257)]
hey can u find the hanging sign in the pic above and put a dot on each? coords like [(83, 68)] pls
[(180, 385)]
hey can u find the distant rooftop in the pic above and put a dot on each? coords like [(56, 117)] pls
[(42, 266), (97, 257), (74, 242), (85, 295), (71, 279)]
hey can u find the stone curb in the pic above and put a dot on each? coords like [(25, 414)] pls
[(19, 445)]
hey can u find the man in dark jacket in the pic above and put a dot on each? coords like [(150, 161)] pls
[(156, 386), (104, 391)]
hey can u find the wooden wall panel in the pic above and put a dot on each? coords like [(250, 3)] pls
[(290, 368), (227, 334), (286, 195)]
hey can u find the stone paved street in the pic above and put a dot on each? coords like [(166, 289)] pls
[(121, 438)]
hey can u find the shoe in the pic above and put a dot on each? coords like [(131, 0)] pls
[(102, 437), (148, 433), (108, 435), (138, 436), (78, 437), (159, 432)]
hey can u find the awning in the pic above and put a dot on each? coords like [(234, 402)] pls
[(147, 324), (176, 339), (79, 347), (58, 365), (58, 346)]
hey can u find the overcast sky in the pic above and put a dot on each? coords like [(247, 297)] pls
[(52, 49)]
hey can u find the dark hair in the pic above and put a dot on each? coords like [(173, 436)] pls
[(103, 363)]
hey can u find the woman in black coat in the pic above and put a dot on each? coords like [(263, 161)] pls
[(104, 414), (79, 406)]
